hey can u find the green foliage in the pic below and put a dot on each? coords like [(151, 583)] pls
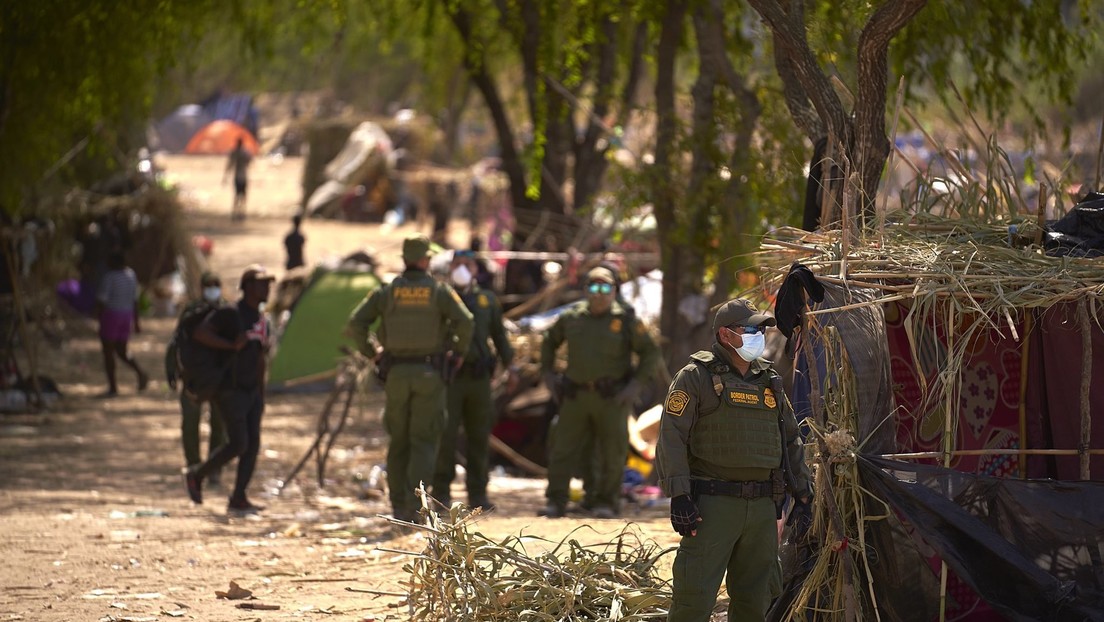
[(75, 71), (1005, 56)]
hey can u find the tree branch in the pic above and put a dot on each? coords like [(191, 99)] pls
[(788, 28)]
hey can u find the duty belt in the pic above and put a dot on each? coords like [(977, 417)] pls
[(424, 359), (745, 490)]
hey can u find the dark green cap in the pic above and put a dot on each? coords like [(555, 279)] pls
[(416, 248), (740, 312)]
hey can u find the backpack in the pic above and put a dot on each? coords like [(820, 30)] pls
[(202, 369)]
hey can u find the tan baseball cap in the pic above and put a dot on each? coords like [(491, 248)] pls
[(602, 275)]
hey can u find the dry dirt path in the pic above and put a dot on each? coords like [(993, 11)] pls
[(95, 524)]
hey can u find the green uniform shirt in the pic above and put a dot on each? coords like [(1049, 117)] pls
[(600, 346), (426, 301), (691, 395), (487, 314)]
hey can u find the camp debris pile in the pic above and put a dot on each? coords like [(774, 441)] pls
[(464, 575)]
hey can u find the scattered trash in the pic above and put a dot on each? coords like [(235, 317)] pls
[(351, 552), (236, 592), (258, 606), (117, 514), (176, 613), (124, 535)]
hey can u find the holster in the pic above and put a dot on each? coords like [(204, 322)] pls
[(778, 492), (448, 367), (384, 366)]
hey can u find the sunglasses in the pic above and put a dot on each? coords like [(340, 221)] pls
[(746, 330), (600, 288)]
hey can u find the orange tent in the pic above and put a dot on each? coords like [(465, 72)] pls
[(221, 137)]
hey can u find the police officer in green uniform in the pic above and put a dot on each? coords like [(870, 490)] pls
[(728, 447), (422, 321), (598, 388), (469, 394)]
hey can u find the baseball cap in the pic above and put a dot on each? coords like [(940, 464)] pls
[(256, 272), (742, 313), (416, 248), (602, 275)]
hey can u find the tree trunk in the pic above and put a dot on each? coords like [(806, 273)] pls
[(860, 138), (473, 63), (663, 194)]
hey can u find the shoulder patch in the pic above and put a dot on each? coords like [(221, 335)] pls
[(676, 402), (768, 398), (615, 325), (483, 301)]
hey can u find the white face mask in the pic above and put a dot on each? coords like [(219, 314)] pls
[(212, 294), (461, 276), (753, 347)]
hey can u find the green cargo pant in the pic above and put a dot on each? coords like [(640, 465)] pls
[(737, 536), (414, 418), (469, 403), (588, 421), (190, 412)]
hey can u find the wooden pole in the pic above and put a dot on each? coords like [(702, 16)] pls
[(1086, 385), (1099, 156), (1040, 215), (948, 444), (889, 165), (1025, 357)]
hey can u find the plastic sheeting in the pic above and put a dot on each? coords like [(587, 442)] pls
[(1032, 549)]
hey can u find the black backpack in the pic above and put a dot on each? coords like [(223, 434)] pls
[(202, 369)]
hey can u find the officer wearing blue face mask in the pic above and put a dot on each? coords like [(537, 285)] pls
[(728, 450)]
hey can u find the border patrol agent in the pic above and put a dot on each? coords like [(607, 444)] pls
[(599, 387), (421, 322), (729, 446), (469, 394)]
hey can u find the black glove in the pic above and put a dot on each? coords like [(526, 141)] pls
[(626, 397), (684, 515), (172, 381), (554, 383), (800, 520)]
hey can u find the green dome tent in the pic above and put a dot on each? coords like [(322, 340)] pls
[(309, 348)]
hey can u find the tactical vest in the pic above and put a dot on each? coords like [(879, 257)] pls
[(742, 431), (411, 323)]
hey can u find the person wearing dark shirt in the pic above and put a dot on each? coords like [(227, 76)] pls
[(242, 333), (190, 406), (294, 243)]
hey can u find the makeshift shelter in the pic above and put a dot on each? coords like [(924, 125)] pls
[(948, 343), (174, 131), (363, 161), (220, 137), (310, 346)]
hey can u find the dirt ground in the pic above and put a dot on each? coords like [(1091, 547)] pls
[(94, 520)]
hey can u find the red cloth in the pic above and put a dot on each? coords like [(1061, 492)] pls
[(988, 408)]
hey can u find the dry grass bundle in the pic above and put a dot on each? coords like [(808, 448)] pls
[(840, 584), (974, 276), (464, 575)]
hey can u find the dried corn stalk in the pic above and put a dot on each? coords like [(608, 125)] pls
[(464, 575)]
